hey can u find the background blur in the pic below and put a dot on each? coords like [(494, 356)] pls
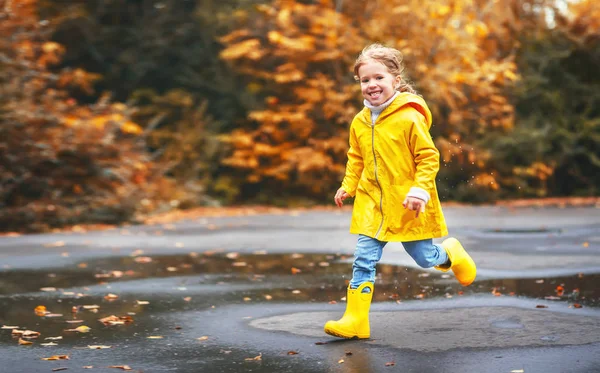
[(114, 108)]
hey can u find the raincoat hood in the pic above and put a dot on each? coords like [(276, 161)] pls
[(389, 159), (403, 99)]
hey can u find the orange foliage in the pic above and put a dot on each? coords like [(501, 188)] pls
[(60, 162), (299, 57)]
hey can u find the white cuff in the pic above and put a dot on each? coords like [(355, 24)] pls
[(419, 193)]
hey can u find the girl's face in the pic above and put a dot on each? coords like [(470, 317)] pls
[(376, 82)]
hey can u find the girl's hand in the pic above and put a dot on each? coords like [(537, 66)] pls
[(414, 204), (340, 196)]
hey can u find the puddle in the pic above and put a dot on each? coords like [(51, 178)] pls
[(206, 281)]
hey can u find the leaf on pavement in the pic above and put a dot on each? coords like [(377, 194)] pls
[(24, 342), (48, 289), (541, 306), (123, 367), (155, 337), (142, 259), (9, 327), (295, 270), (255, 358), (341, 361), (49, 344), (203, 338), (560, 290), (111, 296), (41, 310), (59, 369), (142, 302), (54, 338), (98, 347), (116, 320), (25, 333), (390, 364), (577, 305), (292, 352), (79, 329), (56, 357)]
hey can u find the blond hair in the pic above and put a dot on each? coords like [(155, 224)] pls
[(390, 58)]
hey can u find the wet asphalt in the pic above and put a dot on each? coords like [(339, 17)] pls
[(251, 293)]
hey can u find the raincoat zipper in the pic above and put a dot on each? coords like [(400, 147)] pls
[(376, 178)]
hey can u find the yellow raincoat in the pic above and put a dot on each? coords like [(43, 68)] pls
[(385, 160)]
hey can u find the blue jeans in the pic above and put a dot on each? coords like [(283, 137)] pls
[(368, 253)]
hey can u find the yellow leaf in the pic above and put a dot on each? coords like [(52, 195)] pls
[(56, 357)]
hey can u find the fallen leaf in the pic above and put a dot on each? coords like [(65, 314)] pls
[(390, 364), (40, 310), (577, 305), (517, 371), (348, 353), (268, 297), (292, 352), (232, 255), (256, 358), (142, 302), (296, 270), (73, 321), (239, 264), (586, 244), (560, 290), (54, 338), (321, 343), (9, 327), (24, 342), (98, 347), (155, 337), (79, 329), (116, 320), (341, 361), (25, 333), (203, 338), (111, 296), (142, 259), (49, 344), (90, 307), (48, 289), (332, 302), (541, 306), (59, 369), (88, 367), (124, 367), (296, 291), (56, 357), (323, 264), (53, 315), (187, 299)]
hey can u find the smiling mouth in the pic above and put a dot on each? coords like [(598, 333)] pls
[(375, 95)]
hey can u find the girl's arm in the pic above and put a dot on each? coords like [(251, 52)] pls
[(427, 159), (354, 166)]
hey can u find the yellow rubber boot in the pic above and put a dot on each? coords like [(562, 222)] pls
[(461, 262), (355, 322)]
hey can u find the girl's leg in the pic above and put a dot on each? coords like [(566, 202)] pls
[(367, 254), (426, 253)]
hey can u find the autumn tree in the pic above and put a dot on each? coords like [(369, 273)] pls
[(553, 150), (298, 58), (60, 162)]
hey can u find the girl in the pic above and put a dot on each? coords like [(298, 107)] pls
[(391, 169)]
